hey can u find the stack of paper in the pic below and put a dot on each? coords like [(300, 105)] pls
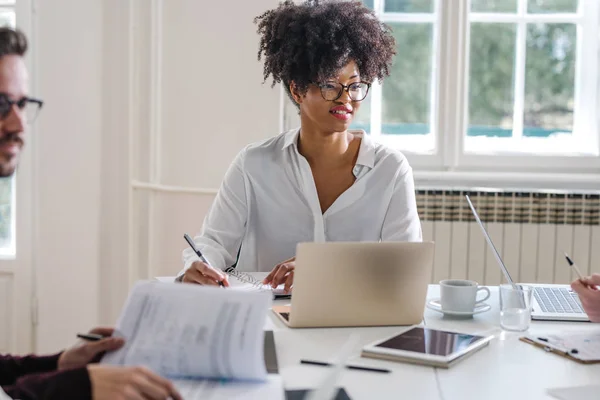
[(191, 333)]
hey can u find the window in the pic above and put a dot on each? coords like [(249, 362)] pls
[(403, 105), (479, 83), (7, 185)]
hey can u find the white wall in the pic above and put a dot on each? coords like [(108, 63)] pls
[(117, 119), (214, 103), (68, 75)]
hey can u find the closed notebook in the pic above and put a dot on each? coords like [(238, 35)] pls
[(576, 393), (582, 347), (427, 346)]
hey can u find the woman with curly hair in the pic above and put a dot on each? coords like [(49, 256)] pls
[(321, 182)]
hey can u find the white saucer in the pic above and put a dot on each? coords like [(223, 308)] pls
[(479, 308)]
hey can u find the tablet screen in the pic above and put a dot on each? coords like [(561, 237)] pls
[(430, 341)]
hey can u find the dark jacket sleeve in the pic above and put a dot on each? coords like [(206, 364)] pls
[(71, 384), (12, 368)]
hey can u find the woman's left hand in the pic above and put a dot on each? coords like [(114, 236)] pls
[(282, 273)]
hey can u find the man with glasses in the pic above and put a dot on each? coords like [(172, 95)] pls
[(70, 374), (323, 181)]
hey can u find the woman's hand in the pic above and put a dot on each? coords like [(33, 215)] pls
[(282, 273), (203, 274), (587, 289)]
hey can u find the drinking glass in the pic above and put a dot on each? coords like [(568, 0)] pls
[(515, 307)]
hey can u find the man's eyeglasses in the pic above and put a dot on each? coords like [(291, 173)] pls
[(28, 106), (332, 91)]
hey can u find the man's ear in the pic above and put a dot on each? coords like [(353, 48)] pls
[(295, 93)]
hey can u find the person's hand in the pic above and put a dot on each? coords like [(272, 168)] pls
[(592, 281), (589, 295), (85, 352), (282, 273), (204, 274), (129, 383)]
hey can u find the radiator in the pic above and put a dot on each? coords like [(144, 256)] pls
[(531, 231)]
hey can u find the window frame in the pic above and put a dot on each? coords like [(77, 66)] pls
[(450, 91)]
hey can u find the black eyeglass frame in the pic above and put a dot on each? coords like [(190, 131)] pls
[(20, 103), (344, 87)]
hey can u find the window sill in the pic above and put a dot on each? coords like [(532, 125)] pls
[(507, 180)]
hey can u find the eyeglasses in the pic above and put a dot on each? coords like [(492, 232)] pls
[(332, 91), (26, 105)]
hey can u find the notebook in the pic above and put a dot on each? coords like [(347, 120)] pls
[(582, 347), (427, 346), (576, 393), (209, 341), (244, 281), (252, 282)]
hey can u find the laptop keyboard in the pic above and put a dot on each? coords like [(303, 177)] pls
[(558, 300)]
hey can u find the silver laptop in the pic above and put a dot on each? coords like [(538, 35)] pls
[(340, 284), (550, 302)]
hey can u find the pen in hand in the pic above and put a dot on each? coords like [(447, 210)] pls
[(574, 266), (577, 271), (92, 337), (198, 253)]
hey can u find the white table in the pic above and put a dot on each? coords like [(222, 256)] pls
[(507, 369)]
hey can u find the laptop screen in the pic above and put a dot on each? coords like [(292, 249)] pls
[(490, 243)]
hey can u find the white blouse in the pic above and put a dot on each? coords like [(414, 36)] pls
[(268, 203)]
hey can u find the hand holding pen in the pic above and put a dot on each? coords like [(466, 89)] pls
[(112, 381), (95, 343), (593, 282), (588, 292), (200, 272)]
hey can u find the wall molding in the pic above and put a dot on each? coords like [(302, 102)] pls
[(156, 187)]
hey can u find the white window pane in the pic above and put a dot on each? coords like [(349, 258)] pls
[(408, 6), (549, 79), (407, 92), (7, 2), (552, 6), (494, 6), (7, 18), (491, 80), (362, 120), (6, 216)]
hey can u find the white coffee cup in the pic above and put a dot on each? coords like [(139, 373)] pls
[(461, 295)]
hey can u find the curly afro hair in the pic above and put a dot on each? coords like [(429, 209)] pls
[(313, 41)]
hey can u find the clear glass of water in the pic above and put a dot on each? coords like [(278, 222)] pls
[(515, 307)]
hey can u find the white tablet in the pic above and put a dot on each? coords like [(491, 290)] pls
[(426, 346)]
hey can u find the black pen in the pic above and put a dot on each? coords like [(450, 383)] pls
[(92, 337), (574, 266), (198, 252), (355, 367)]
